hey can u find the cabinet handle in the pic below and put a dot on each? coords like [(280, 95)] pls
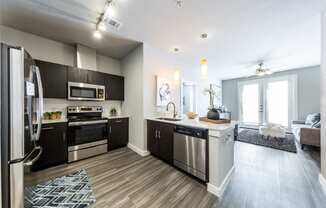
[(110, 129), (118, 121), (159, 134), (47, 128), (155, 133)]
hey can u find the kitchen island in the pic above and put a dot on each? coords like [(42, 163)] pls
[(220, 148)]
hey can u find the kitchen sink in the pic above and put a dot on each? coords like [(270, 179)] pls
[(170, 119)]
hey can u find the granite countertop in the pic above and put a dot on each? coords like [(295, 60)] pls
[(199, 124)]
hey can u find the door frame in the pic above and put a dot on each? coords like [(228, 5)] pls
[(241, 84), (263, 83)]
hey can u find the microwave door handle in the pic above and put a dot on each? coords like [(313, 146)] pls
[(40, 103)]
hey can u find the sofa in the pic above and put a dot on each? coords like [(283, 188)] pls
[(307, 132)]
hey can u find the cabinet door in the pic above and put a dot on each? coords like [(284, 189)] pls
[(152, 138), (54, 143), (166, 142), (77, 75), (94, 77), (54, 79), (114, 86), (118, 133)]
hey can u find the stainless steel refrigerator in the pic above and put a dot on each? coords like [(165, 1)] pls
[(21, 106)]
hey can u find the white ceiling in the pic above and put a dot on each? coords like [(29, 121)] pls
[(284, 33), (68, 21)]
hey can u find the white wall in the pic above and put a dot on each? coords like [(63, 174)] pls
[(57, 52), (323, 99), (132, 70), (158, 63), (308, 91), (108, 65), (39, 47)]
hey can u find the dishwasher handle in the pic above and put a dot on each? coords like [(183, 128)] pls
[(190, 131)]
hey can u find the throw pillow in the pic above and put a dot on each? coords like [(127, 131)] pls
[(316, 125), (312, 118)]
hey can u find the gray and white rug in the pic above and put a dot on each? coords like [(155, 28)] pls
[(252, 136), (71, 191)]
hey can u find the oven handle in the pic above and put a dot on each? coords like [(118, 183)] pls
[(82, 123)]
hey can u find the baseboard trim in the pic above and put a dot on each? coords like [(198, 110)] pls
[(218, 191), (322, 182), (139, 151)]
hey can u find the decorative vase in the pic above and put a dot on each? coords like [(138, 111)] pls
[(213, 114)]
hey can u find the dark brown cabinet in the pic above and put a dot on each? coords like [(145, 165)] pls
[(118, 133), (114, 86), (96, 78), (53, 140), (160, 140), (77, 75), (54, 79)]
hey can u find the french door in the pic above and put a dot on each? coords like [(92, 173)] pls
[(268, 100)]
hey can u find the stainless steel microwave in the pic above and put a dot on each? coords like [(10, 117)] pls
[(84, 91)]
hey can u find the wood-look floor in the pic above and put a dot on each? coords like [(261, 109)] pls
[(263, 177)]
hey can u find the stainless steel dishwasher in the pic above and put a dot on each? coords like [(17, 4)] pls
[(190, 151)]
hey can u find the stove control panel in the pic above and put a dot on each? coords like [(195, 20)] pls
[(84, 109)]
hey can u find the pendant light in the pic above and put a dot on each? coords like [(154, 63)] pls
[(204, 68)]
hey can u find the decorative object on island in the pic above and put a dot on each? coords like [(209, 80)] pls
[(163, 91), (213, 113), (191, 115), (113, 112)]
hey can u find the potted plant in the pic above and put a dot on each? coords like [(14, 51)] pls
[(113, 112), (46, 116)]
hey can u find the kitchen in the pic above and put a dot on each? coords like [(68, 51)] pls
[(88, 127)]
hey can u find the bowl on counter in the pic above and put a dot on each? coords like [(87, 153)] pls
[(191, 115)]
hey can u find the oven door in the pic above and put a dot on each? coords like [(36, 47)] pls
[(87, 132), (83, 91)]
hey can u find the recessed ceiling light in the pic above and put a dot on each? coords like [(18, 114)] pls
[(176, 50), (97, 34), (204, 36)]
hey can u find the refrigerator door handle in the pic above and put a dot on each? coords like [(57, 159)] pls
[(30, 162), (40, 103)]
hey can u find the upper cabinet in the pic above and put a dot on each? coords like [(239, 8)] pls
[(96, 78), (54, 79), (85, 76), (56, 76), (114, 87)]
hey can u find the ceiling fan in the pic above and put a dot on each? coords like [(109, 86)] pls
[(261, 71)]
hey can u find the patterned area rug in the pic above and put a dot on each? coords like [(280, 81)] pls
[(252, 136), (73, 191)]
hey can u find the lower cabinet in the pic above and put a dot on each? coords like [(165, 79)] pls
[(53, 140), (160, 140), (118, 133)]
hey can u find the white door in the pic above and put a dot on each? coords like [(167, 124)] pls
[(268, 100), (281, 105), (250, 101)]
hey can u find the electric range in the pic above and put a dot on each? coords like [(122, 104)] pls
[(87, 132)]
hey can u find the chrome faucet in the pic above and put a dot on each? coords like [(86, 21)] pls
[(174, 111)]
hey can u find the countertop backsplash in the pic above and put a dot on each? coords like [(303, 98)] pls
[(51, 105)]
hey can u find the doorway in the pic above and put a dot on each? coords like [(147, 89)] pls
[(268, 100)]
